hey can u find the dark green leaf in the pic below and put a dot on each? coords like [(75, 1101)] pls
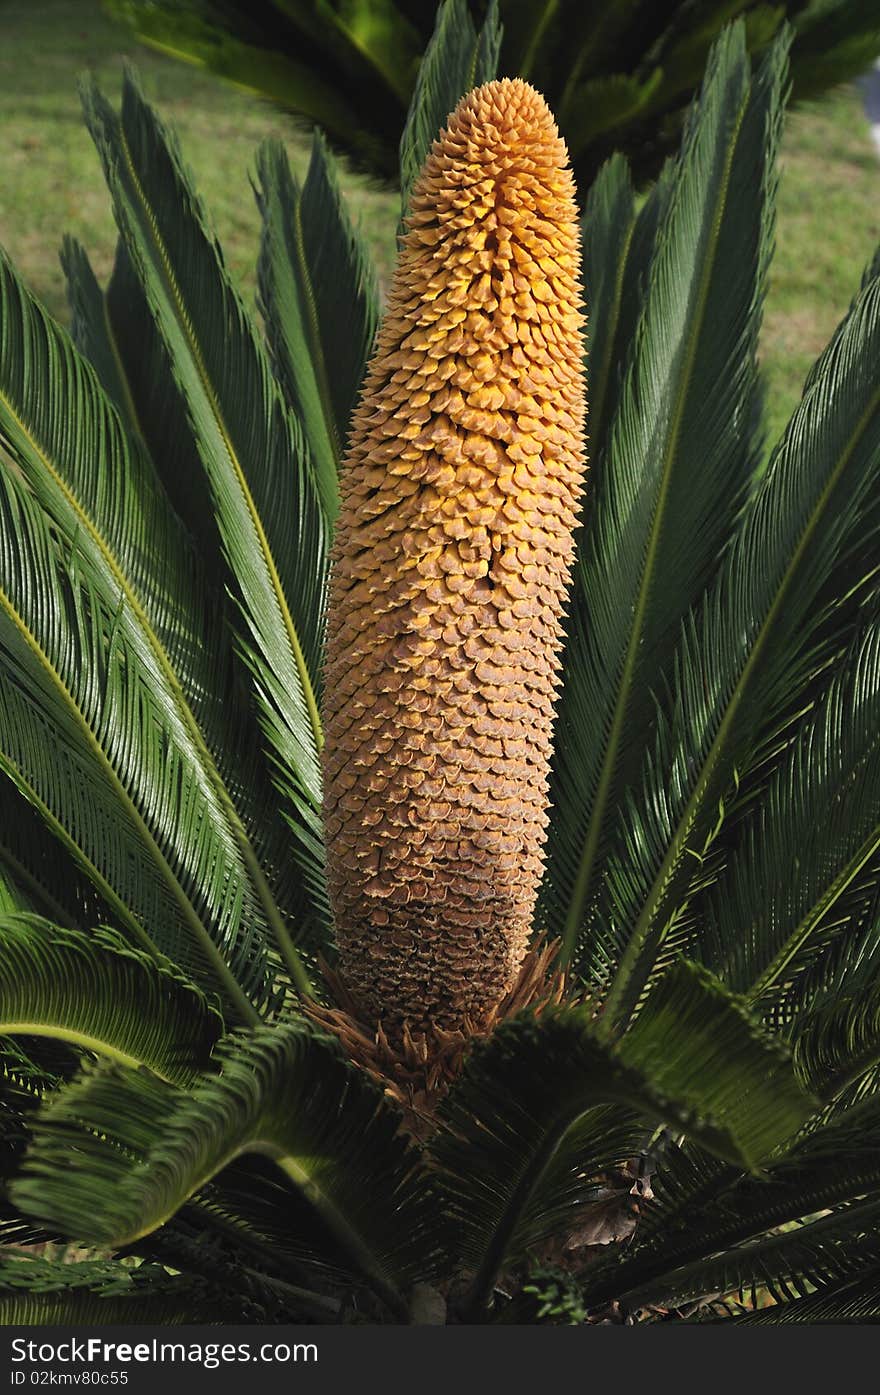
[(266, 502), (815, 829), (116, 331), (693, 1059), (42, 1292), (96, 992), (144, 576), (815, 505), (319, 298), (655, 527), (837, 1245), (287, 1092)]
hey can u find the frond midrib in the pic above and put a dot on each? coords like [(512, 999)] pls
[(830, 894), (480, 1288), (24, 1027)]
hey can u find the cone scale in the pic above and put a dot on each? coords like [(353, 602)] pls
[(449, 573)]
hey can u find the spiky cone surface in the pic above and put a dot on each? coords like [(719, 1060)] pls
[(450, 568)]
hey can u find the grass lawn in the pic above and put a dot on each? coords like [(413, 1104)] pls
[(828, 226), (50, 175), (50, 180)]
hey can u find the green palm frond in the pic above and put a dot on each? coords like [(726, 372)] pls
[(655, 527), (814, 503), (287, 1092), (619, 242), (829, 1001), (93, 333), (619, 75), (840, 1245), (838, 40), (854, 1300), (42, 1292), (115, 330), (259, 1217), (266, 502), (96, 992), (837, 1038), (846, 602), (693, 1059), (251, 1208), (814, 832), (122, 511), (168, 486), (703, 1207), (124, 794), (119, 521), (320, 301)]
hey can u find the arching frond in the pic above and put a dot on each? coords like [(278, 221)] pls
[(42, 1292), (840, 1245), (655, 526), (55, 418), (116, 331), (815, 504), (85, 734), (266, 502), (95, 991), (287, 1092), (166, 506), (816, 828), (693, 1060), (703, 1208)]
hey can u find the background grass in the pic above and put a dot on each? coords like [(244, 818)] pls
[(50, 181), (50, 177)]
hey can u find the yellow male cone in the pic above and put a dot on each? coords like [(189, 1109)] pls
[(450, 568)]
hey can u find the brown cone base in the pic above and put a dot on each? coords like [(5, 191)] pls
[(416, 1067)]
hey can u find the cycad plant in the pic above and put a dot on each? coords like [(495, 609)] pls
[(595, 1035), (618, 74)]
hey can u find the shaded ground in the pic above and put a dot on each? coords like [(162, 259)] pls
[(50, 180)]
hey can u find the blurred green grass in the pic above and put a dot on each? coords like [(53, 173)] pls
[(828, 226), (50, 180), (50, 176)]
